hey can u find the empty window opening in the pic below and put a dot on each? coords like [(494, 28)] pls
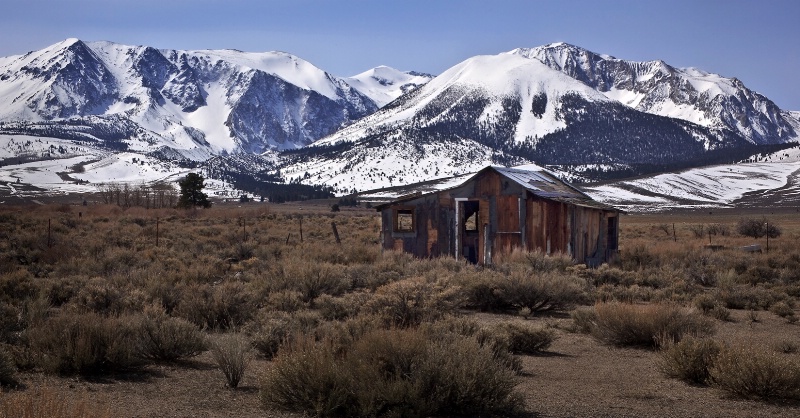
[(404, 220), (471, 209)]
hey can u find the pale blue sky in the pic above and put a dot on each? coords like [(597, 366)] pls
[(757, 41)]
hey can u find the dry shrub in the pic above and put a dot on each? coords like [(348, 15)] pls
[(606, 274), (709, 305), (338, 308), (410, 302), (17, 286), (482, 291), (7, 368), (315, 279), (536, 260), (164, 338), (487, 336), (540, 292), (638, 257), (649, 325), (62, 290), (286, 301), (523, 338), (86, 344), (783, 309), (308, 378), (11, 322), (749, 297), (271, 329), (220, 307), (541, 262), (44, 402), (231, 353), (754, 373), (391, 373), (689, 359), (100, 296), (583, 320)]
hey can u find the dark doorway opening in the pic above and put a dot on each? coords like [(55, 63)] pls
[(470, 230)]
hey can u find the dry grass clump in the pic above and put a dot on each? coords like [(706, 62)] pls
[(231, 353), (391, 373), (45, 402), (650, 325), (754, 373)]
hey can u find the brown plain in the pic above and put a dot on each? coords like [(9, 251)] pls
[(578, 376)]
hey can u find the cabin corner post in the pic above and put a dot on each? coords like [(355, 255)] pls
[(523, 225), (457, 226), (487, 246)]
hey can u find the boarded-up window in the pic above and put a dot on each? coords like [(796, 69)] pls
[(404, 220)]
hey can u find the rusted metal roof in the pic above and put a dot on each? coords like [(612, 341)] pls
[(540, 183)]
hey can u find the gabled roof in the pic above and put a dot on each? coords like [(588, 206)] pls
[(538, 182)]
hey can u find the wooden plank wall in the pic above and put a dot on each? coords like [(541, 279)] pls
[(586, 230), (508, 234), (548, 222)]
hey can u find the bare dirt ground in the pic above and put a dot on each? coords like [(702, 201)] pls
[(578, 377)]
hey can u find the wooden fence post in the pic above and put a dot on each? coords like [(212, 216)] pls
[(335, 232), (301, 229)]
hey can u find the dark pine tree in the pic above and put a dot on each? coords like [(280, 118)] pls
[(192, 192)]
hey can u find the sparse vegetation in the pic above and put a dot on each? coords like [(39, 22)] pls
[(751, 372), (391, 373), (101, 298), (650, 325)]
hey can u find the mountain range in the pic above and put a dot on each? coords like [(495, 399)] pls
[(276, 116)]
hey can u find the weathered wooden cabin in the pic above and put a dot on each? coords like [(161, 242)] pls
[(496, 210)]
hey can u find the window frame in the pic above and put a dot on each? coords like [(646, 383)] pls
[(396, 216)]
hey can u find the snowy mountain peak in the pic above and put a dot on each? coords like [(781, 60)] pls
[(655, 87), (384, 84)]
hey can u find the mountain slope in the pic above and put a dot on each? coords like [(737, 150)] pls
[(216, 101), (509, 109), (703, 98)]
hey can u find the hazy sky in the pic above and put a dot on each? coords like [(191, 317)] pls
[(757, 41)]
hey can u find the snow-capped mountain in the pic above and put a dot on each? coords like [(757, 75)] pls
[(111, 112), (691, 94), (516, 108), (383, 84), (191, 104)]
